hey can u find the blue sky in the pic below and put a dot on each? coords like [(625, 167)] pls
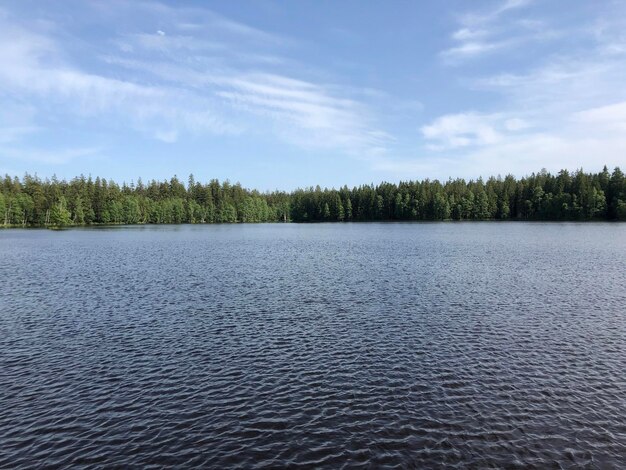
[(290, 94)]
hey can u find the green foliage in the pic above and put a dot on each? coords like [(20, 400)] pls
[(130, 210), (326, 212), (59, 215), (541, 196), (78, 211), (3, 209), (348, 210), (441, 207), (621, 210)]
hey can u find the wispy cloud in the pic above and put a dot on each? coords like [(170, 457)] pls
[(181, 18), (491, 31), (185, 77), (470, 129), (33, 65), (469, 49), (48, 156), (485, 144), (329, 121), (603, 119), (564, 108), (477, 19), (562, 84)]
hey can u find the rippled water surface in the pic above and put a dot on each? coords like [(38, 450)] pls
[(373, 345)]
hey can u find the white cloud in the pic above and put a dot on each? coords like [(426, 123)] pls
[(487, 144), (553, 151), (515, 124), (562, 86), (190, 19), (471, 49), (484, 145), (470, 129), (301, 112), (467, 34), (33, 65), (604, 118), (518, 155), (487, 33), (171, 45), (331, 121), (170, 85), (489, 16), (48, 156), (566, 109)]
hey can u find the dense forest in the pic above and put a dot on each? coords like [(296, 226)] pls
[(31, 201)]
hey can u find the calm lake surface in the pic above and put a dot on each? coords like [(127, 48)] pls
[(330, 345)]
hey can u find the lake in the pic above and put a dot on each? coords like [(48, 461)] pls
[(329, 345)]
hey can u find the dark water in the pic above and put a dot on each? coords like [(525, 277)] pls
[(374, 345)]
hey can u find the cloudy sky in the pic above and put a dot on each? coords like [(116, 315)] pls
[(286, 94)]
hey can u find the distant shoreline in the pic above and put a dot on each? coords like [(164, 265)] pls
[(83, 201), (356, 222)]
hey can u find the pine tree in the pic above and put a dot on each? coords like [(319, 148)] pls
[(59, 215), (2, 209), (326, 212), (348, 209)]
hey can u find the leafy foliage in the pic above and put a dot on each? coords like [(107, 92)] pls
[(84, 201)]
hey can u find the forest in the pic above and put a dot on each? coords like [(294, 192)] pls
[(33, 202)]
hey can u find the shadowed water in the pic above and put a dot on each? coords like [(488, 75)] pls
[(332, 345)]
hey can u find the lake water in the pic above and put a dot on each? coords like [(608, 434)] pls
[(330, 345)]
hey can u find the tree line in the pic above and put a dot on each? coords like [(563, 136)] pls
[(33, 202)]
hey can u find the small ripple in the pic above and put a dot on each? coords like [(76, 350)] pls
[(210, 349)]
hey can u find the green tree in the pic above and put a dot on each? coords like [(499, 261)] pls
[(59, 215), (326, 212), (348, 208), (399, 207), (621, 210), (79, 212), (131, 213), (3, 209), (578, 195), (441, 207)]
